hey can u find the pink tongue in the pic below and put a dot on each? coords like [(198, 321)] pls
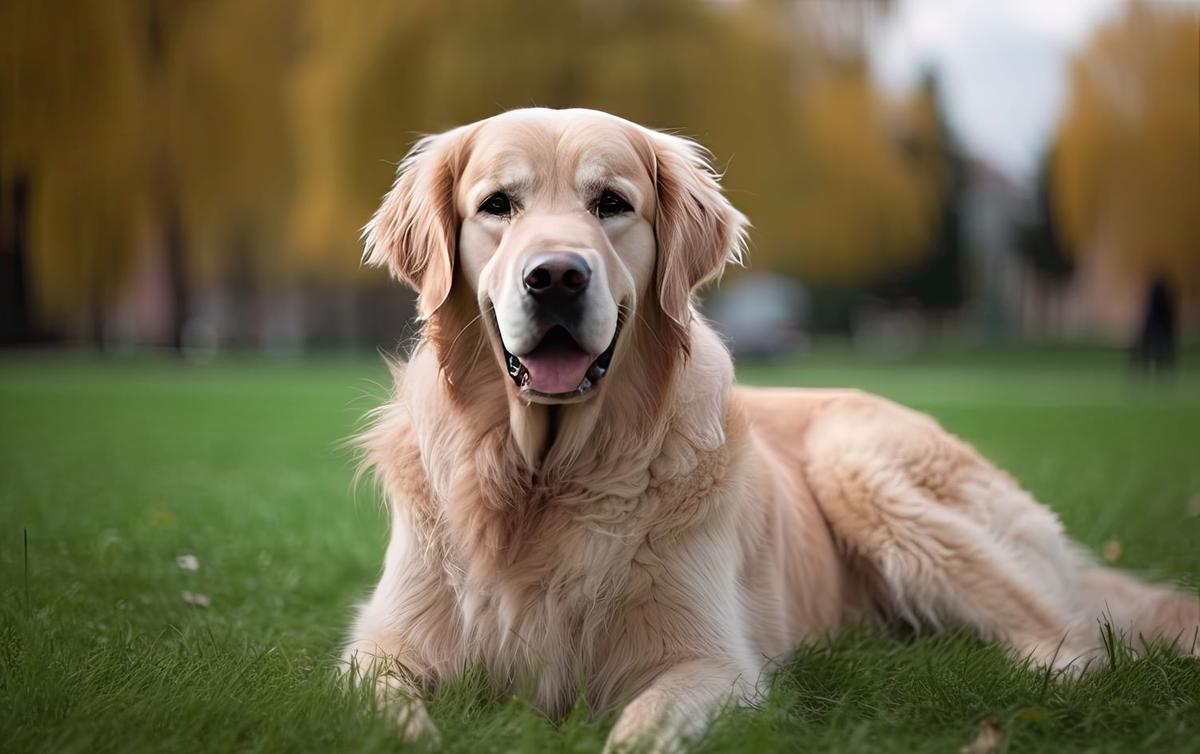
[(556, 371)]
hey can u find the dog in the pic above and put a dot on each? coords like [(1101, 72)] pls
[(581, 501)]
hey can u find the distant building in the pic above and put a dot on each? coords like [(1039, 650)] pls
[(1099, 302), (1005, 291)]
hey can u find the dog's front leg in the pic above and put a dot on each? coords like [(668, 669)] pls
[(677, 705), (395, 688), (404, 704)]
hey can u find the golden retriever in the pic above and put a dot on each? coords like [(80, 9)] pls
[(581, 499)]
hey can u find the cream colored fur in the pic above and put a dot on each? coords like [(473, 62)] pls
[(661, 543)]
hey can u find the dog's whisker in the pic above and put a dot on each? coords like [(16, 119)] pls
[(454, 341), (641, 318)]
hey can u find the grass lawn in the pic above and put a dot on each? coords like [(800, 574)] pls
[(115, 469)]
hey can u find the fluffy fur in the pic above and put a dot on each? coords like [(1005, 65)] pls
[(661, 543)]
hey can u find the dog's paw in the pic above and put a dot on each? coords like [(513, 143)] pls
[(414, 722), (1065, 659), (644, 743)]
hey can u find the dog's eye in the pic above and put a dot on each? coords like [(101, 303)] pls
[(609, 204), (497, 204)]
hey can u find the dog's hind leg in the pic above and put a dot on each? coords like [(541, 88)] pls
[(949, 539)]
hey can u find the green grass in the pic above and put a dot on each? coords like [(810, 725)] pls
[(116, 468)]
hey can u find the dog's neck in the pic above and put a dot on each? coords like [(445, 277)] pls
[(475, 415)]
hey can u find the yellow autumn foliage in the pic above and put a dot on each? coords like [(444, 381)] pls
[(264, 133), (1127, 158)]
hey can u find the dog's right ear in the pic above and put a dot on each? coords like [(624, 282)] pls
[(415, 230)]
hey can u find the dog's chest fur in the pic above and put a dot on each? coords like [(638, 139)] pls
[(542, 572)]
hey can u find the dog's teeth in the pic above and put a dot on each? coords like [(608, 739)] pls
[(585, 385), (596, 372)]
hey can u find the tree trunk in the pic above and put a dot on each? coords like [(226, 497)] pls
[(177, 278), (97, 318), (16, 320)]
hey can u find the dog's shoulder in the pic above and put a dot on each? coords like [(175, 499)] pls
[(390, 449), (779, 415)]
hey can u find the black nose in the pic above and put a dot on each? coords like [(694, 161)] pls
[(556, 275)]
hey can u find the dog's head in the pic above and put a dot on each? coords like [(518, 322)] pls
[(555, 231)]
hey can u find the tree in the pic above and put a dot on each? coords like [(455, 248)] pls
[(936, 279), (70, 107), (224, 146), (1126, 169), (1041, 240), (143, 125)]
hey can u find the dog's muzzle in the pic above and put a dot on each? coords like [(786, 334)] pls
[(555, 291), (558, 367)]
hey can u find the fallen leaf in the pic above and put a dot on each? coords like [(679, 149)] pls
[(1193, 506), (988, 738), (197, 599), (163, 517), (1035, 715), (108, 538), (1112, 551), (188, 562)]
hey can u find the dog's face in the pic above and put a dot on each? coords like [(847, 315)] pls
[(556, 240), (565, 225)]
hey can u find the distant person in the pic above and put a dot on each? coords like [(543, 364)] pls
[(1154, 350)]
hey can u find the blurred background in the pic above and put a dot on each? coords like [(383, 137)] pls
[(192, 175)]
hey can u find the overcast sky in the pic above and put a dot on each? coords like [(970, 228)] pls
[(1003, 66)]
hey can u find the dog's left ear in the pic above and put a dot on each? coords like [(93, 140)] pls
[(415, 230), (697, 229)]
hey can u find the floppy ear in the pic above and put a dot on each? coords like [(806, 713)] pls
[(697, 229), (415, 231)]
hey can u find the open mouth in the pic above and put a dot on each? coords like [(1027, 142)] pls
[(558, 367)]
